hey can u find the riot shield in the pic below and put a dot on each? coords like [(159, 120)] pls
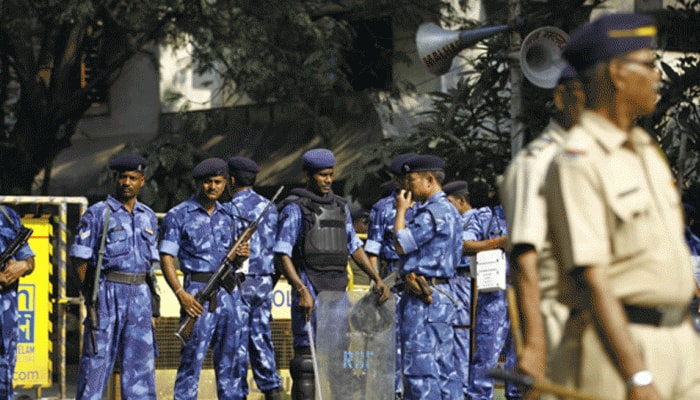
[(355, 346)]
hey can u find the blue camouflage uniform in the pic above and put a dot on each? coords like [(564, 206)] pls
[(380, 232), (124, 310), (693, 241), (492, 327), (462, 287), (431, 243), (380, 242), (256, 290), (8, 297), (289, 230), (200, 241)]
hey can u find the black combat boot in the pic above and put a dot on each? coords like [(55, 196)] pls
[(272, 394)]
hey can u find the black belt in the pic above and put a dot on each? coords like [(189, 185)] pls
[(435, 280), (465, 272), (202, 277), (657, 316), (124, 277)]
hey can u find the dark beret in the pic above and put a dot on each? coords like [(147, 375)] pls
[(210, 167), (318, 159), (456, 187), (607, 37), (361, 213), (128, 162), (420, 163), (242, 164), (397, 163), (567, 74)]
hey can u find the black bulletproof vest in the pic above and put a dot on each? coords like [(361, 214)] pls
[(322, 248)]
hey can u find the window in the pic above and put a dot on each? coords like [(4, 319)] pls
[(370, 58)]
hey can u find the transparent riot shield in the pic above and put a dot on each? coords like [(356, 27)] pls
[(355, 346)]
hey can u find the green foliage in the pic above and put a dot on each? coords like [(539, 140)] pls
[(676, 122), (292, 52), (42, 46), (470, 125)]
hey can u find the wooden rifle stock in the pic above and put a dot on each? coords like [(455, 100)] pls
[(224, 276)]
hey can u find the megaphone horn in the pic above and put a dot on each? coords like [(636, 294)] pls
[(540, 56), (437, 47)]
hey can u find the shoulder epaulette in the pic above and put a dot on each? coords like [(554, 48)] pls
[(575, 147), (538, 144)]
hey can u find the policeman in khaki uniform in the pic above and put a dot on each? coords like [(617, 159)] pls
[(534, 269), (618, 229)]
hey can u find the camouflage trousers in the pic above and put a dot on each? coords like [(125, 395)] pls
[(256, 339), (428, 347), (8, 351), (219, 330), (125, 332)]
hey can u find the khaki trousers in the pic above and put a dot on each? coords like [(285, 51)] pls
[(672, 354)]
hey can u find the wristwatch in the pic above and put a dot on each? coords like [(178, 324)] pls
[(640, 378)]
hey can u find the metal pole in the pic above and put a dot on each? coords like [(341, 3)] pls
[(516, 82), (62, 301), (62, 279), (314, 359)]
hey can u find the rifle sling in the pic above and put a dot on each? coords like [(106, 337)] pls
[(100, 253), (7, 217)]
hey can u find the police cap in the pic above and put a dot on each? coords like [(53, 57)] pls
[(419, 163), (456, 187), (128, 162), (567, 74), (361, 213), (210, 167), (242, 164), (318, 159), (608, 37), (397, 163)]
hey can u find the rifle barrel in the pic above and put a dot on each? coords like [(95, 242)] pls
[(184, 331)]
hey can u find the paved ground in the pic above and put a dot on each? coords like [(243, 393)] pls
[(164, 379)]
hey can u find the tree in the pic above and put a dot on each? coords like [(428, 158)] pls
[(42, 46), (676, 122), (271, 52), (469, 125)]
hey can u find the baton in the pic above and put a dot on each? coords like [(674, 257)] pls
[(528, 381), (514, 316), (314, 360)]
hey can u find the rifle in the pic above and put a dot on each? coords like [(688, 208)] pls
[(92, 287), (223, 277), (20, 240)]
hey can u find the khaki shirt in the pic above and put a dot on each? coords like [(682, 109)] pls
[(612, 203), (522, 195)]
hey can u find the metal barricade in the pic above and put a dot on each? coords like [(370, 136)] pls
[(60, 299)]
